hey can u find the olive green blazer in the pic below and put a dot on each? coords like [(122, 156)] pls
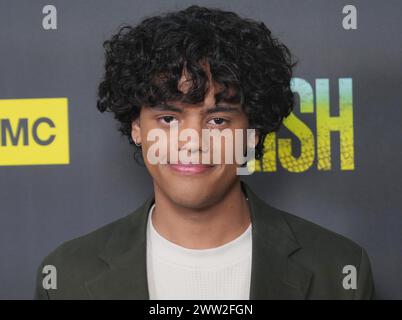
[(291, 259)]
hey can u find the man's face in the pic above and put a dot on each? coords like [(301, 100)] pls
[(192, 186)]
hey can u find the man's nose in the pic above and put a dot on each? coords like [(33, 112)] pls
[(190, 137)]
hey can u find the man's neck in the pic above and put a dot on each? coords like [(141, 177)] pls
[(206, 228)]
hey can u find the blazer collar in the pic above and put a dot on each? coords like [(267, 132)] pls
[(274, 275)]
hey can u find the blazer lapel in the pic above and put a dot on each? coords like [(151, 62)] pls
[(274, 275), (125, 254)]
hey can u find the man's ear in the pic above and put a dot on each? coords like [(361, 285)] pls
[(136, 130)]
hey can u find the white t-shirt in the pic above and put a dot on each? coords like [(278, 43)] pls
[(176, 272)]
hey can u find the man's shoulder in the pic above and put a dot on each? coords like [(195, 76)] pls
[(85, 250), (311, 238), (76, 261), (330, 257), (318, 239)]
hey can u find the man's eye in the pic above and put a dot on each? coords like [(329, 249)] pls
[(167, 119), (217, 121)]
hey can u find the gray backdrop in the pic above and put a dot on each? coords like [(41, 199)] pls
[(45, 205)]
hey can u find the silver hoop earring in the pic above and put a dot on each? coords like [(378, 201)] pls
[(137, 144)]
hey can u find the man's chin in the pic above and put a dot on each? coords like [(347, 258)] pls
[(193, 191), (191, 198)]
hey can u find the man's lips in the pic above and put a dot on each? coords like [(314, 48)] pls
[(190, 168)]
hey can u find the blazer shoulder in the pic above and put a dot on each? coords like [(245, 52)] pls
[(80, 259), (312, 236), (330, 256), (86, 247)]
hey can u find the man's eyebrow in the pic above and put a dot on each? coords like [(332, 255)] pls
[(214, 109), (222, 108)]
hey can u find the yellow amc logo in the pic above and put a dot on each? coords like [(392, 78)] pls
[(34, 131)]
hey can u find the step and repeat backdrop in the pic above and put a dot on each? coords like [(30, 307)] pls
[(65, 170)]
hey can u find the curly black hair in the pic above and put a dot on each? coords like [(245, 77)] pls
[(144, 64)]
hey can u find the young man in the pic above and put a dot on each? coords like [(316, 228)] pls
[(203, 233)]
